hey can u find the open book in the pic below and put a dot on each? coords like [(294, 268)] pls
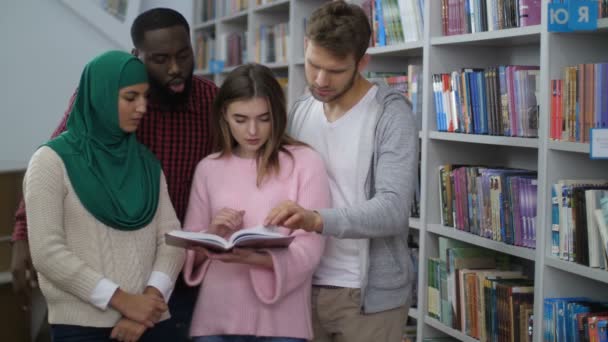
[(254, 237)]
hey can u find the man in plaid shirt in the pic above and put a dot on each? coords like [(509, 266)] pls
[(175, 128)]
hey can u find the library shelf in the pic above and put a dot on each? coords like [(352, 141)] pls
[(415, 223), (507, 37), (460, 336), (202, 72), (235, 18), (413, 312), (228, 69), (485, 139), (209, 24), (279, 65), (602, 24), (597, 274), (569, 146), (453, 233), (278, 5), (402, 49)]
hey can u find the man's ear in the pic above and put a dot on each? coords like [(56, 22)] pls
[(364, 62)]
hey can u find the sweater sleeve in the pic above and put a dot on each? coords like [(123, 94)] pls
[(20, 229), (169, 259), (394, 171), (294, 266), (44, 192), (198, 217)]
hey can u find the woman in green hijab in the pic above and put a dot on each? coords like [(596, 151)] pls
[(98, 208)]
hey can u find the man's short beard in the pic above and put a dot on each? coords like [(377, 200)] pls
[(164, 96), (343, 91)]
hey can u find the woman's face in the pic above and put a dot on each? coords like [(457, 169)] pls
[(250, 125), (132, 106)]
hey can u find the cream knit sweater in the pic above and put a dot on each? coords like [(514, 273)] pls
[(72, 251)]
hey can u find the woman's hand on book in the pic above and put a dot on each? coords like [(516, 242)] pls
[(226, 222), (243, 256), (143, 308)]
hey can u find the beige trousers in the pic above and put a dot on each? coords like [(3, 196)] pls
[(337, 317)]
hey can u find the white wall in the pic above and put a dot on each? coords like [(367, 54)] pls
[(182, 6), (44, 47)]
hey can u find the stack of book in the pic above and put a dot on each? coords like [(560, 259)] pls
[(575, 319), (394, 21)]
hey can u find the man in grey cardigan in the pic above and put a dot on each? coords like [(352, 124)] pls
[(367, 137)]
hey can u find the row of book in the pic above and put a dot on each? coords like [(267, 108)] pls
[(204, 49), (229, 7), (499, 100), (575, 320), (233, 48), (499, 204), (207, 10), (271, 43), (471, 16), (579, 102), (394, 21), (578, 225), (602, 6), (408, 83), (480, 293)]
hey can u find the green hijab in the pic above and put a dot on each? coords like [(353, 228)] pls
[(115, 177)]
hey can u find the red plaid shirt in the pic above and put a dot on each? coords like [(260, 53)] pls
[(179, 138)]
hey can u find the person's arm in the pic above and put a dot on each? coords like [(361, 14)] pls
[(22, 269), (44, 192), (198, 217), (294, 266), (387, 212), (169, 260)]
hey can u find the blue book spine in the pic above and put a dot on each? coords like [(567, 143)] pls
[(381, 41), (602, 327), (483, 103), (554, 223), (474, 101)]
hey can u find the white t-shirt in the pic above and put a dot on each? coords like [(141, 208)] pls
[(340, 144)]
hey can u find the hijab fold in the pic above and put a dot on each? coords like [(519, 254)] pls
[(115, 177)]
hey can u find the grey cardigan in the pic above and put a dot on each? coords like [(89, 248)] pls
[(381, 222)]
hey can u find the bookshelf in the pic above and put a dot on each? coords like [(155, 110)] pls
[(248, 22), (552, 160)]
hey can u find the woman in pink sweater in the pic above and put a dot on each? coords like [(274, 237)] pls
[(253, 295)]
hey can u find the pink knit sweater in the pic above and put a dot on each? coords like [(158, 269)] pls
[(238, 299)]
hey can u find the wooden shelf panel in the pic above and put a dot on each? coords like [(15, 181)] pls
[(207, 25), (507, 37), (414, 313), (574, 268), (448, 331), (402, 49), (485, 139), (569, 146), (453, 233), (277, 5), (415, 223)]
